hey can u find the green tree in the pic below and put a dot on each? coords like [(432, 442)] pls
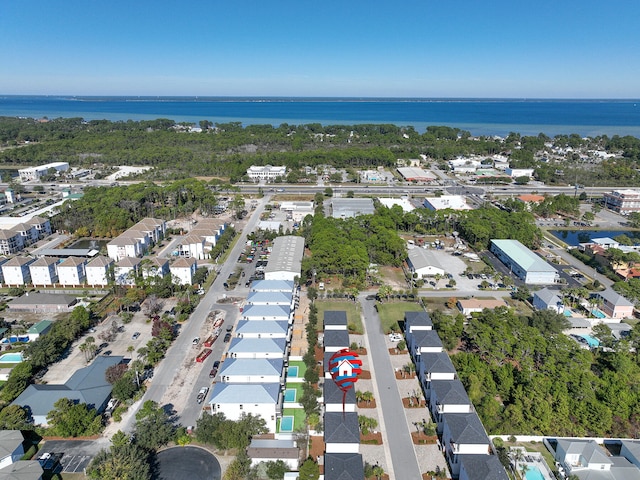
[(309, 470), (276, 470), (19, 378), (73, 419), (153, 426), (123, 461), (14, 417)]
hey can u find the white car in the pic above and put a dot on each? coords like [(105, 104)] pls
[(395, 337)]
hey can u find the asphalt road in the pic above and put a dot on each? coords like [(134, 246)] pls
[(168, 370), (403, 457)]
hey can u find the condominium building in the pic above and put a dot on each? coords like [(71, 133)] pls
[(623, 201)]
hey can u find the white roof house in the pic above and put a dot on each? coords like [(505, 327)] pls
[(71, 272), (426, 263), (184, 269), (257, 348), (263, 329), (43, 271), (285, 261), (259, 399), (98, 271), (267, 312), (252, 370)]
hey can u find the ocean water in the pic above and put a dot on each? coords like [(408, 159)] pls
[(478, 116)]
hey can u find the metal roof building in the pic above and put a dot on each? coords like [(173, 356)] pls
[(528, 266), (351, 207), (285, 261)]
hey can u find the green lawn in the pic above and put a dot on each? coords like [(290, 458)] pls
[(393, 312), (302, 368), (299, 418), (297, 387), (352, 309)]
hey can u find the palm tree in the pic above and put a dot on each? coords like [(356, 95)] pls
[(378, 471)]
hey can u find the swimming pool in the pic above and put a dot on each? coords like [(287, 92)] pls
[(286, 424), (290, 395), (534, 473), (11, 358), (293, 371), (591, 341), (598, 314)]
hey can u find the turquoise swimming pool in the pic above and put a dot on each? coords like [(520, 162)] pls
[(591, 341), (290, 395), (534, 473), (286, 424), (11, 358)]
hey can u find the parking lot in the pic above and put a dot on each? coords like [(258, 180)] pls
[(74, 455)]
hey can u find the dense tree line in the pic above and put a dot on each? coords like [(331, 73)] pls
[(227, 149), (525, 377)]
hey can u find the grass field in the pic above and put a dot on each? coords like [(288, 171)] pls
[(393, 312), (352, 309), (302, 368), (299, 417)]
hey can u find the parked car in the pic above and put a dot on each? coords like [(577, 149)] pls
[(135, 336), (227, 337), (202, 394), (196, 341)]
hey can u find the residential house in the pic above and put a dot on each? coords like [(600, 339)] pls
[(10, 242), (343, 466), (126, 271), (341, 432), (335, 340), (99, 272), (577, 455), (448, 396), (435, 366), (415, 321), (272, 450), (423, 341), (267, 312), (475, 305), (192, 246), (271, 298), (335, 399), (236, 399), (613, 304), (335, 320), (183, 270), (286, 286), (11, 447), (71, 272), (252, 370), (481, 467), (86, 385), (124, 246), (257, 348), (22, 470), (547, 299), (263, 329), (631, 451), (43, 272), (463, 433), (41, 328), (154, 268), (16, 271)]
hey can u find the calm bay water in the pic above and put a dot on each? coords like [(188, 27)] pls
[(479, 116), (575, 237)]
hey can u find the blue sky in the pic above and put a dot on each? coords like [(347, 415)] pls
[(467, 48)]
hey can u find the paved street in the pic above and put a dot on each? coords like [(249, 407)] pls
[(397, 432)]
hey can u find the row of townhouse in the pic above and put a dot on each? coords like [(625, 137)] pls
[(585, 459), (137, 240), (16, 238), (252, 376), (342, 457), (97, 272), (465, 443), (201, 239)]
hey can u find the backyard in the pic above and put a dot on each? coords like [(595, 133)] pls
[(353, 313), (391, 314)]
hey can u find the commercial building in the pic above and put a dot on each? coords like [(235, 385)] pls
[(425, 263), (285, 261), (266, 172), (415, 174), (351, 207), (623, 201), (525, 264), (34, 173), (443, 202)]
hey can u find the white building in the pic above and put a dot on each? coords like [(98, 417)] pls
[(43, 272), (34, 173), (546, 299), (126, 271), (71, 272), (528, 266), (266, 172), (258, 348), (252, 370), (297, 210), (97, 271), (263, 329), (267, 312), (443, 202), (122, 247), (154, 268), (425, 263), (16, 271), (192, 246), (285, 261), (237, 399), (519, 172), (183, 270)]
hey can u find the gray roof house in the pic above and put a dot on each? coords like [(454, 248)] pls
[(631, 451), (262, 329), (237, 399), (547, 299), (285, 286), (423, 341), (579, 455), (252, 370), (343, 466), (448, 396), (87, 385), (463, 433), (333, 397), (270, 450), (481, 467), (335, 340), (11, 448), (414, 321), (258, 348), (341, 432), (22, 470), (335, 320), (435, 366)]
